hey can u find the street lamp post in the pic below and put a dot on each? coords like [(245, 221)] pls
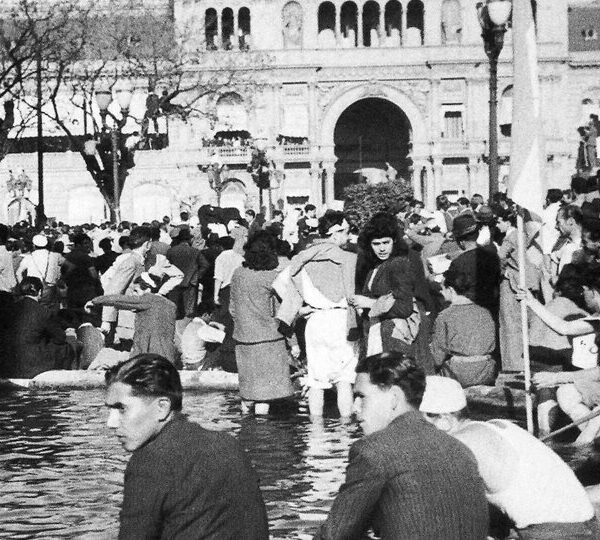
[(493, 16), (104, 98)]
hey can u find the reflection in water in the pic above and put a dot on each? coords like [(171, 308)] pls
[(61, 469)]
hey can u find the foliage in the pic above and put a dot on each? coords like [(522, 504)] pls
[(364, 200), (259, 168)]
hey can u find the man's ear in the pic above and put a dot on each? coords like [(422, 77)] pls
[(163, 405), (398, 398)]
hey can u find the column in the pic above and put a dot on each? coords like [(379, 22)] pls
[(316, 173), (328, 188), (432, 23), (418, 166), (312, 113), (382, 31), (235, 39), (278, 116), (219, 37), (359, 22), (403, 24), (438, 180), (338, 26)]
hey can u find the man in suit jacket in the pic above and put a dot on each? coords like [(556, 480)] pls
[(403, 479), (182, 481), (193, 265)]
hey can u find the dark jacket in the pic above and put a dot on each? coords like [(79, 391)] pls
[(191, 483), (32, 341), (190, 261), (409, 481)]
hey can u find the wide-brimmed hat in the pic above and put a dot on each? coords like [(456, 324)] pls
[(442, 395), (463, 225), (39, 240)]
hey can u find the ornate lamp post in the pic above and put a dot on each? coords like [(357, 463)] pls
[(104, 98), (493, 16)]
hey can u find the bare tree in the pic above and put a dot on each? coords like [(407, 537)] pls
[(81, 49)]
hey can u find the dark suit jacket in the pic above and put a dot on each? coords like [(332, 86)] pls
[(191, 483), (409, 481), (32, 341), (190, 261)]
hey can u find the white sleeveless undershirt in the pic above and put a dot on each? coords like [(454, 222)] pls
[(544, 489)]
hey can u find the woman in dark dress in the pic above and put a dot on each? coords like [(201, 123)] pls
[(260, 351), (392, 311)]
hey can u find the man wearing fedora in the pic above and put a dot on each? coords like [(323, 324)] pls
[(480, 263)]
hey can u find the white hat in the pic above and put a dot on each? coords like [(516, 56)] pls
[(442, 395), (39, 240)]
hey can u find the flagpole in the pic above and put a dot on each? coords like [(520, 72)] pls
[(524, 322)]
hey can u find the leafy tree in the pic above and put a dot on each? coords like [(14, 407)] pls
[(362, 201)]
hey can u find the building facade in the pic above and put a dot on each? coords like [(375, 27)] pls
[(351, 88)]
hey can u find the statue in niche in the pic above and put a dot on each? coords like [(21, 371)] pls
[(292, 18)]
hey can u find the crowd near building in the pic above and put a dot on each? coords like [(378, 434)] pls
[(238, 244), (343, 88)]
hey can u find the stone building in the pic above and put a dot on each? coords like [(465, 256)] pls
[(351, 86)]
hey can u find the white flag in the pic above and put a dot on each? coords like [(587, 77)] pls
[(526, 185)]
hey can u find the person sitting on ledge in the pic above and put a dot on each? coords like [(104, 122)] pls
[(578, 392), (32, 340), (182, 480), (536, 490)]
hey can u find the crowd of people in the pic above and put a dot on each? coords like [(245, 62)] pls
[(402, 313)]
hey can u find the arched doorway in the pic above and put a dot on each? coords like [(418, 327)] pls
[(369, 133)]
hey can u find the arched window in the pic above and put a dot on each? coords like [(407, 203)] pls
[(370, 16), (244, 28), (227, 30), (414, 20), (451, 22), (393, 23), (326, 16), (210, 28), (326, 27), (292, 17), (349, 20)]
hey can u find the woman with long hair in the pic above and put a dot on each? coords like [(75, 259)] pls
[(389, 291), (260, 351)]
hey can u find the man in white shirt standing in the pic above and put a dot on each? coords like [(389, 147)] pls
[(45, 265), (225, 264)]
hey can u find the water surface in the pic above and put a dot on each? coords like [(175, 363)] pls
[(61, 469)]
